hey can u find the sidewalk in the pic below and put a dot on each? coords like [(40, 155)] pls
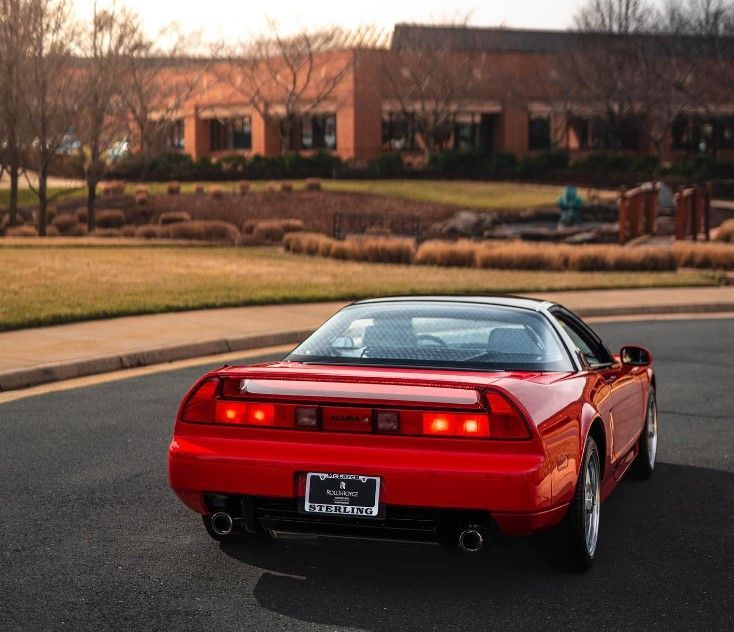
[(47, 354)]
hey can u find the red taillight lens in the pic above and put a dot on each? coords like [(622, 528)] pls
[(456, 425), (505, 421), (201, 406), (244, 413)]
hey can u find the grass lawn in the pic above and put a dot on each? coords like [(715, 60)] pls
[(26, 197), (460, 193), (42, 285)]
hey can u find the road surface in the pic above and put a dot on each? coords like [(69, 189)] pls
[(93, 539)]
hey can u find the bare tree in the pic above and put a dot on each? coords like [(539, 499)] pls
[(107, 41), (48, 87), (431, 82), (623, 17), (285, 78), (155, 85), (12, 54)]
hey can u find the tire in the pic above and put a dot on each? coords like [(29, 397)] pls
[(644, 464), (579, 531)]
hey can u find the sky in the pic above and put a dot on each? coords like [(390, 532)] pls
[(234, 20)]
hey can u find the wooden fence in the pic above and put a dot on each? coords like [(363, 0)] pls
[(693, 212)]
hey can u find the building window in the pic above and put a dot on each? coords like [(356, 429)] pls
[(703, 134), (176, 135), (468, 131), (398, 131), (539, 132), (597, 133), (230, 133), (318, 131)]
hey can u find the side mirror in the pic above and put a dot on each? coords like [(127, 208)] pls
[(635, 356)]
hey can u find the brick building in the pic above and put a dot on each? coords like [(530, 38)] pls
[(517, 103)]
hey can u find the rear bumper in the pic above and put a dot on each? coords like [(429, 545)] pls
[(509, 483)]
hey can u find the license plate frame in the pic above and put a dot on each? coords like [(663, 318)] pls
[(342, 495)]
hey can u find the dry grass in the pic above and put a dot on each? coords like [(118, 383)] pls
[(704, 255), (21, 231), (110, 219), (66, 222), (726, 231), (102, 280), (173, 217), (152, 231), (205, 230), (108, 233), (461, 253), (243, 187), (173, 188)]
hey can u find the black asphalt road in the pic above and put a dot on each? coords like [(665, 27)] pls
[(92, 539)]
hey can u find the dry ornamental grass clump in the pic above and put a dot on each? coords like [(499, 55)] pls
[(128, 230), (173, 188), (107, 232), (311, 244), (243, 187), (312, 184), (173, 217), (717, 256), (436, 252), (217, 193), (21, 231), (153, 231), (66, 223), (205, 230), (110, 219)]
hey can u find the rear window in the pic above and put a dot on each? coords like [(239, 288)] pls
[(448, 335)]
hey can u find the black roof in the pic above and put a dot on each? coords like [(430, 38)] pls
[(491, 39)]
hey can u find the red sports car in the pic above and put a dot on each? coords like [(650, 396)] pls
[(447, 419)]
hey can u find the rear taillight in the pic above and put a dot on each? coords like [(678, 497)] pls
[(505, 420), (456, 425), (223, 402)]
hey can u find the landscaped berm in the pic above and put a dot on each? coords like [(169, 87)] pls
[(173, 247)]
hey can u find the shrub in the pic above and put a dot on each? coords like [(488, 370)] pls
[(152, 231), (382, 249), (286, 186), (113, 187), (517, 255), (65, 223), (447, 253), (173, 188), (142, 190), (243, 187), (726, 231), (272, 187), (141, 199), (52, 231), (217, 192), (173, 217), (81, 215), (271, 231), (4, 223), (307, 243), (128, 230), (199, 189), (702, 255), (110, 219), (312, 184), (108, 232), (207, 230), (21, 231), (139, 214), (386, 166)]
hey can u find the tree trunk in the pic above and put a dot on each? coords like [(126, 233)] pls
[(91, 199), (13, 208), (42, 198)]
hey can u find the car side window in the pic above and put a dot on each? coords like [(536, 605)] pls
[(594, 352)]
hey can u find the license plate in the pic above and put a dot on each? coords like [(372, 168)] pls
[(348, 495)]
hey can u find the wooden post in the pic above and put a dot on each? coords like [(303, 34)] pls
[(693, 207), (651, 210), (680, 214), (637, 200), (707, 211), (623, 216)]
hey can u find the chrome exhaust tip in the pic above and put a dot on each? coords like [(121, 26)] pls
[(471, 540), (222, 523)]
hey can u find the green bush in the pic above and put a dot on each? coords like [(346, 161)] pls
[(386, 166)]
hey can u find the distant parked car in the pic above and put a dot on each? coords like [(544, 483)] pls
[(453, 420)]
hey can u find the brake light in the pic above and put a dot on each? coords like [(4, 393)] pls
[(244, 413), (505, 421), (456, 425)]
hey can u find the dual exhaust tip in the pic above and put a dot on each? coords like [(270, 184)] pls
[(471, 539), (223, 524)]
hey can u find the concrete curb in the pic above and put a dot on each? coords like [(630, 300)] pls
[(46, 373), (56, 372)]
